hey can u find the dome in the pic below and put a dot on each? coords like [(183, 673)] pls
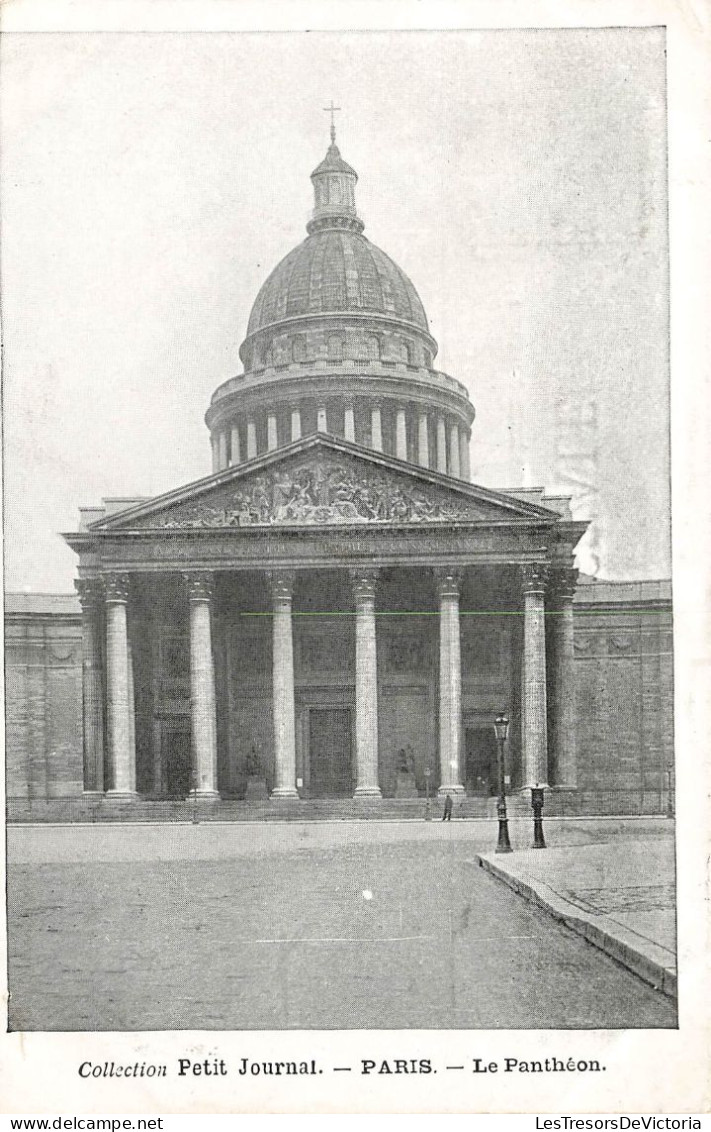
[(334, 272), (337, 343)]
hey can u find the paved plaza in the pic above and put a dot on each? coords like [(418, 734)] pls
[(289, 925)]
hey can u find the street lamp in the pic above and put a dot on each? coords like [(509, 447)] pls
[(194, 785), (428, 773), (501, 727)]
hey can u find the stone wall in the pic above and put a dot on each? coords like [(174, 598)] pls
[(43, 724), (623, 658)]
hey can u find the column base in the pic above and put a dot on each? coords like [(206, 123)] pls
[(121, 795), (457, 788), (92, 795), (200, 794), (526, 790), (284, 792), (367, 792)]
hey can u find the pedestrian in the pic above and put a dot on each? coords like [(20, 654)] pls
[(447, 815)]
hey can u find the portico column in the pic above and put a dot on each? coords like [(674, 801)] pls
[(441, 445), (296, 424), (401, 434), (251, 438), (376, 429), (202, 683), (117, 693), (366, 689), (450, 681), (423, 441), (235, 455), (454, 451), (272, 437), (131, 714), (534, 729), (349, 422), (90, 596), (282, 582), (561, 709), (321, 419)]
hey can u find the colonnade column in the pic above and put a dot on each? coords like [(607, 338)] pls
[(376, 429), (117, 686), (215, 454), (441, 445), (401, 434), (91, 596), (349, 422), (222, 448), (235, 455), (450, 681), (251, 438), (423, 441), (296, 424), (282, 583), (202, 683), (464, 465), (561, 709), (454, 451), (366, 688), (534, 730)]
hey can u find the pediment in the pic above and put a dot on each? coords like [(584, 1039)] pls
[(319, 483)]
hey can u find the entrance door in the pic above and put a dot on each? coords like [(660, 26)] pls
[(177, 761), (481, 770), (330, 774)]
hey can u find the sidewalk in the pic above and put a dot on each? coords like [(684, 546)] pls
[(617, 892)]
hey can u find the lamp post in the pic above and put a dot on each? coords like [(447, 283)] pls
[(539, 841), (428, 773), (194, 785), (501, 728)]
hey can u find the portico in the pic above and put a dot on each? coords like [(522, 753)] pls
[(326, 621)]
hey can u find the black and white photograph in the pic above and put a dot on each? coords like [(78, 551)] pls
[(339, 607)]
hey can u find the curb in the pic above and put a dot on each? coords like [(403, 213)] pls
[(622, 945)]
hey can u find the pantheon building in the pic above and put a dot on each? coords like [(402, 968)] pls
[(337, 611)]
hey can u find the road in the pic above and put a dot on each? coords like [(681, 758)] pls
[(298, 928)]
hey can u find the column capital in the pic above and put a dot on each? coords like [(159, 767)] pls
[(281, 584), (562, 583), (364, 582), (448, 581), (91, 593), (116, 587), (534, 577), (200, 584)]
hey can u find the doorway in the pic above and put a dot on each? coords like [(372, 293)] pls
[(176, 757), (480, 761), (330, 750)]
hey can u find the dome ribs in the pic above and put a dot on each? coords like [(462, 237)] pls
[(332, 283), (354, 290), (371, 282), (336, 271)]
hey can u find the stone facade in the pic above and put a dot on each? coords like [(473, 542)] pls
[(623, 676)]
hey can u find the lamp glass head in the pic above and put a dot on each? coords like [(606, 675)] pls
[(501, 726)]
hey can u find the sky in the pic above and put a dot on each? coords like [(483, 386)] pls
[(150, 182)]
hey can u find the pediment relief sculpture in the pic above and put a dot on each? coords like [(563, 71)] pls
[(323, 492)]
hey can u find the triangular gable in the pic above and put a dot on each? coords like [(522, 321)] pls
[(322, 481)]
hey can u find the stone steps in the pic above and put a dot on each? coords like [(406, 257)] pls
[(310, 809)]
